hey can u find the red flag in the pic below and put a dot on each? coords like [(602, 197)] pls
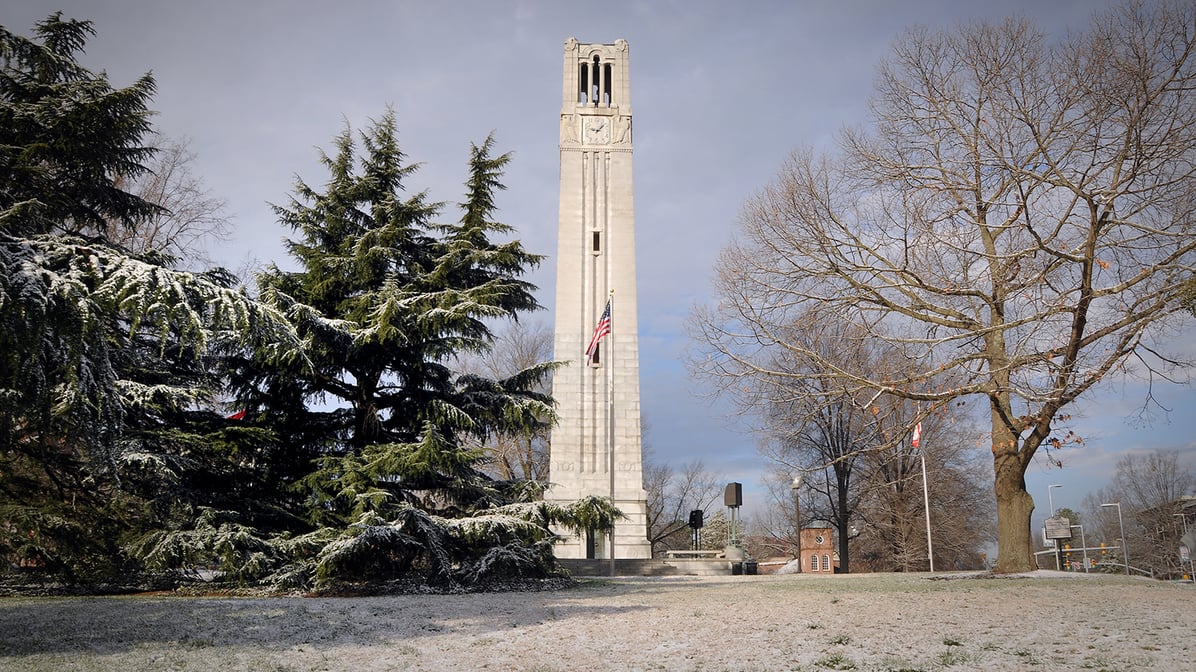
[(917, 435), (239, 415), (600, 332)]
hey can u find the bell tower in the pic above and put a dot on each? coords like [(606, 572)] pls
[(595, 448)]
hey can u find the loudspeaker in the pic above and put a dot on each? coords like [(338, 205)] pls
[(733, 495), (695, 519)]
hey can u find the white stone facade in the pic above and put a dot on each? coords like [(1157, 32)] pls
[(598, 404)]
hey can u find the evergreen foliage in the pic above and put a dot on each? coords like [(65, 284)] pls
[(109, 364), (385, 299), (352, 455), (67, 138), (1187, 296)]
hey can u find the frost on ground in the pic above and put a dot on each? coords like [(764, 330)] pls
[(1043, 621)]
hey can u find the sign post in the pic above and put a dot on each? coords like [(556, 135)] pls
[(1056, 528)]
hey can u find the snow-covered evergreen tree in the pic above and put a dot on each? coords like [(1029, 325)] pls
[(386, 297), (349, 458), (107, 361), (66, 136)]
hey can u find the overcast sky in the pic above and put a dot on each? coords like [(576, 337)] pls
[(721, 93)]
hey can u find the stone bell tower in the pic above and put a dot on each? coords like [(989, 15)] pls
[(595, 447)]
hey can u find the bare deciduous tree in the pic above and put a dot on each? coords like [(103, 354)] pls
[(849, 452), (774, 528), (671, 497), (517, 347), (190, 214), (891, 513), (886, 529), (1151, 490), (824, 442), (1019, 225)]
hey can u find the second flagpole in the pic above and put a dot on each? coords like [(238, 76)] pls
[(610, 424)]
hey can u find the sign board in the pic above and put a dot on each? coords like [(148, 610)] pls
[(1184, 554), (1058, 527)]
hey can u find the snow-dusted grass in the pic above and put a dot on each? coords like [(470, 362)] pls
[(1044, 621)]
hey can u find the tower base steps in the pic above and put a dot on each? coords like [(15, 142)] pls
[(641, 567)]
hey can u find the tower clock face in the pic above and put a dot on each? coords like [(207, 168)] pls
[(597, 130)]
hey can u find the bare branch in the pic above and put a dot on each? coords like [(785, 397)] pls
[(1018, 223)]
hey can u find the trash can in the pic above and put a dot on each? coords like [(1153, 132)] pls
[(749, 567), (736, 568)]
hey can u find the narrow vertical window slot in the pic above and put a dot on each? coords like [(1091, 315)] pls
[(596, 242), (596, 83)]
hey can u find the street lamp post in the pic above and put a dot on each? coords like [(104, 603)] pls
[(1051, 503), (1125, 556), (1051, 500), (796, 486)]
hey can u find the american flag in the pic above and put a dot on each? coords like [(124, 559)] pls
[(600, 332), (917, 435)]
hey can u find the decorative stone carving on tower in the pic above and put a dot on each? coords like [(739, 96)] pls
[(595, 448)]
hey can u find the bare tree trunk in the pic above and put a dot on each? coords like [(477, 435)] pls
[(843, 522), (1015, 546)]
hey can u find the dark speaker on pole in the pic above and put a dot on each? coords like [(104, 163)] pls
[(733, 495), (695, 519)]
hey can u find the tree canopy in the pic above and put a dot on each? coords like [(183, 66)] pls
[(107, 360), (67, 137), (1016, 222), (379, 425), (157, 421)]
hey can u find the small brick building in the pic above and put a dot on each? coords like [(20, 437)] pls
[(818, 551)]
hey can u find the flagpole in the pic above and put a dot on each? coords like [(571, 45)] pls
[(925, 492), (610, 415)]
